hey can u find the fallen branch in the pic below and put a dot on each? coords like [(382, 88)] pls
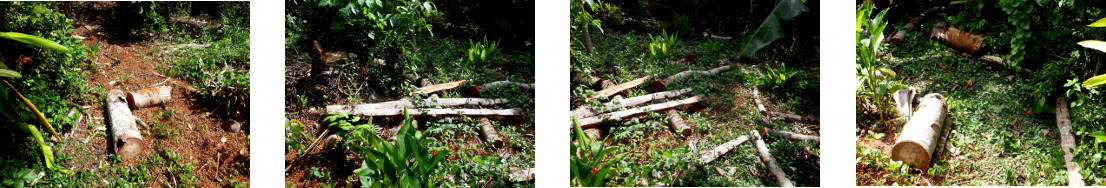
[(760, 106), (127, 138), (585, 112), (408, 103), (789, 135), (678, 124), (619, 88), (439, 87), (796, 117), (711, 72), (594, 121), (487, 86), (917, 141), (901, 34), (721, 149), (489, 133), (771, 162), (420, 112), (1067, 142), (517, 175)]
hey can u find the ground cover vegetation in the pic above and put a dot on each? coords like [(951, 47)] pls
[(1002, 124), (61, 60), (615, 42), (361, 52)]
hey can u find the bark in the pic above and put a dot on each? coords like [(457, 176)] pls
[(796, 118), (789, 135), (594, 133), (721, 149), (619, 88), (149, 97), (475, 90), (439, 87), (771, 162), (421, 112), (489, 133), (901, 34), (1067, 142), (711, 72), (918, 139), (957, 38), (598, 120), (409, 104), (586, 80), (904, 99), (678, 124), (127, 138), (522, 175), (587, 41)]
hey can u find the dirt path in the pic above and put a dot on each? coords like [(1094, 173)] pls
[(194, 133)]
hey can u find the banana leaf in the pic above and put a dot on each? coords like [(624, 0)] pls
[(771, 29), (34, 40)]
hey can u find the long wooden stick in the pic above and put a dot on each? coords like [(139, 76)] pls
[(619, 88), (598, 120), (771, 162), (1067, 142), (429, 102), (505, 83), (796, 117), (584, 112), (711, 72), (420, 112), (439, 87), (35, 110), (721, 149), (789, 135)]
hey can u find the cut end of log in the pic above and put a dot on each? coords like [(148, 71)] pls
[(149, 97), (911, 153), (490, 134), (128, 147)]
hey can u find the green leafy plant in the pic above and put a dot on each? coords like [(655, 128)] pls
[(406, 163), (771, 29), (480, 53), (587, 166), (18, 116), (1097, 45), (582, 20), (662, 47)]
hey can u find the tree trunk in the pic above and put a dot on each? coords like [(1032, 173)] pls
[(771, 162), (439, 87), (127, 138), (590, 48), (149, 97), (721, 149), (788, 135), (409, 104), (489, 133), (919, 136), (1067, 142), (585, 111), (901, 34), (598, 120), (678, 124), (420, 112), (619, 88)]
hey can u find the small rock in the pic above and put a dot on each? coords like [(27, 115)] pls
[(232, 126)]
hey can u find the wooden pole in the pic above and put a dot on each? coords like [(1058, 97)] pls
[(598, 120), (443, 102), (721, 149), (918, 138), (619, 88), (1067, 142), (584, 112), (421, 112), (680, 75), (149, 97), (771, 162), (127, 138), (489, 133), (439, 87), (678, 124), (789, 135)]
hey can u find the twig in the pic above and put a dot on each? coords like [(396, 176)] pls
[(162, 82)]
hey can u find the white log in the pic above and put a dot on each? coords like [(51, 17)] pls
[(771, 162), (711, 72), (760, 105), (149, 97), (584, 112), (789, 135), (486, 86), (489, 133), (399, 104), (597, 120), (918, 139), (796, 117), (1067, 142), (721, 149), (420, 112), (127, 139)]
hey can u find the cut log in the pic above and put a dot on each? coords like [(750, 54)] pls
[(904, 99), (149, 97), (594, 133), (796, 117), (585, 111), (788, 135), (476, 90), (586, 80), (439, 87), (408, 103), (919, 136), (901, 34), (519, 175), (421, 112), (489, 133), (956, 38), (771, 162), (126, 136), (619, 88), (721, 149), (678, 124), (598, 120), (1067, 142), (760, 106), (659, 84)]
